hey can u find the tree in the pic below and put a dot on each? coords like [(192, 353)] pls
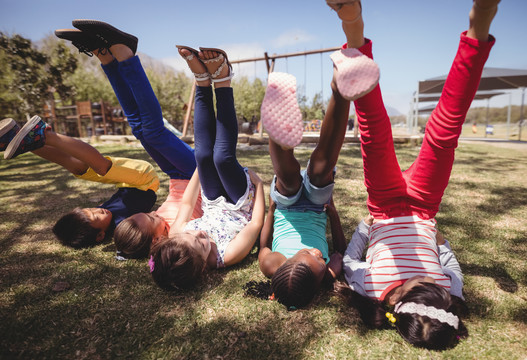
[(28, 75), (61, 64), (315, 111), (248, 97), (172, 90), (27, 83)]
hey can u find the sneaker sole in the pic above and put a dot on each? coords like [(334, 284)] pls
[(280, 113), (13, 145), (356, 73), (6, 125)]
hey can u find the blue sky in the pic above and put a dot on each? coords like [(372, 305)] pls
[(413, 39)]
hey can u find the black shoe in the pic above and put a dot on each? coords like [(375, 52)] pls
[(85, 42), (106, 33)]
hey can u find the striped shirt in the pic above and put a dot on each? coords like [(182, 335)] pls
[(401, 248)]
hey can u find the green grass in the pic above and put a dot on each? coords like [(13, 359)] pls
[(112, 309)]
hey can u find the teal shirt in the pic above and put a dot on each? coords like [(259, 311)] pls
[(297, 230)]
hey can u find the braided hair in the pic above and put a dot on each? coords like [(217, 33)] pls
[(294, 284)]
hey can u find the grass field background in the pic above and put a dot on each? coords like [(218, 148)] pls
[(59, 303)]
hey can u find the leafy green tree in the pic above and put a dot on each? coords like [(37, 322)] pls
[(61, 64), (29, 76), (315, 111), (27, 83), (172, 90), (248, 97)]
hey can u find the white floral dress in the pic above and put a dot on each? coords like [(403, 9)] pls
[(223, 220)]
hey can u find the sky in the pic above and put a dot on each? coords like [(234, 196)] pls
[(413, 39)]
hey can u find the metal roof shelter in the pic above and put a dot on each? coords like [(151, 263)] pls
[(492, 79)]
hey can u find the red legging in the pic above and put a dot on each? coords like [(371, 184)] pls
[(418, 190)]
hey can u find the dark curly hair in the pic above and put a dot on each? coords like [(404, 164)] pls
[(74, 229)]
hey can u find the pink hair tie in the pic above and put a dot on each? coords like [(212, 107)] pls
[(151, 263)]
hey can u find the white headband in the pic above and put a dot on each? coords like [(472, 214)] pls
[(430, 311)]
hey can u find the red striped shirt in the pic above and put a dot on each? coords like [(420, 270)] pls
[(401, 248)]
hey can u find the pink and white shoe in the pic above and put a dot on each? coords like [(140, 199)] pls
[(280, 113), (356, 73)]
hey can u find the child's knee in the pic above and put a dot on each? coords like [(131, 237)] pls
[(203, 155)]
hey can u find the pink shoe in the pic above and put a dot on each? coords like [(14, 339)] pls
[(281, 116), (356, 74)]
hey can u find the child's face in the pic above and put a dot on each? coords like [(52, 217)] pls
[(99, 218), (312, 258), (153, 223), (198, 240)]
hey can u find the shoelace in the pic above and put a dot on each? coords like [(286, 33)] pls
[(85, 50)]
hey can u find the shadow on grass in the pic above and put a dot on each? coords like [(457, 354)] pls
[(110, 301), (497, 271), (118, 312)]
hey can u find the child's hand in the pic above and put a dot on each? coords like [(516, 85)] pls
[(368, 220), (335, 265), (255, 179), (440, 239), (330, 206)]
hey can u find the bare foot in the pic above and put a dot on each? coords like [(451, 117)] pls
[(197, 67), (352, 24), (121, 52), (218, 68), (481, 15), (104, 56)]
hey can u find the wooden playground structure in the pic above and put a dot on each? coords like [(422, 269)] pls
[(86, 119)]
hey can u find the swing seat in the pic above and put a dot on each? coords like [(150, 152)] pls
[(281, 116), (356, 73)]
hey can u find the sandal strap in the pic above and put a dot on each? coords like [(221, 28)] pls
[(201, 76), (216, 59), (189, 57), (218, 70), (228, 77), (214, 76)]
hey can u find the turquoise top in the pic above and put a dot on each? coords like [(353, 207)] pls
[(297, 230)]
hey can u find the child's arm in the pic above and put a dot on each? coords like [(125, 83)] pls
[(353, 255), (269, 261), (339, 240), (450, 265), (241, 245), (354, 267), (188, 202), (334, 267)]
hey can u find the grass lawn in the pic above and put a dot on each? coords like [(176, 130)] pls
[(60, 303)]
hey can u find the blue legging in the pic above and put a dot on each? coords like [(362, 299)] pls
[(140, 105), (215, 141)]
